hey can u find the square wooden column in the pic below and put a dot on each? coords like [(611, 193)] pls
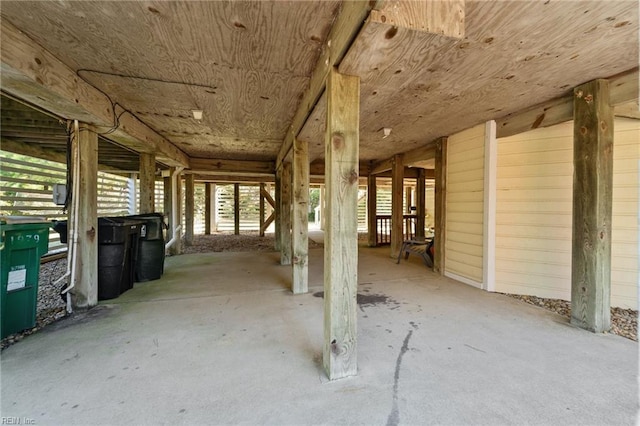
[(276, 212), (372, 209), (323, 205), (408, 196), (214, 208), (236, 208), (592, 207), (207, 208), (262, 210), (189, 207), (300, 224), (440, 205), (168, 199), (397, 217), (84, 154), (285, 215), (147, 183), (420, 203), (341, 232)]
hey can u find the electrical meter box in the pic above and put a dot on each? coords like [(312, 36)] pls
[(59, 194)]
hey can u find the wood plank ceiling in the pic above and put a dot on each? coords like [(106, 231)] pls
[(247, 64), (514, 54)]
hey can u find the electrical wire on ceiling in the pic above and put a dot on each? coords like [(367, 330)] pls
[(137, 77), (116, 117), (114, 105)]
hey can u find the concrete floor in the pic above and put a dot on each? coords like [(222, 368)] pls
[(221, 340)]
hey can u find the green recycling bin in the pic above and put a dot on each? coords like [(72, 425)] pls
[(23, 240)]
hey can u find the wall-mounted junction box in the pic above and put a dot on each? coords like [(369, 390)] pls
[(59, 194)]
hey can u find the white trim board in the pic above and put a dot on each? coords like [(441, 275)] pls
[(463, 280), (489, 210)]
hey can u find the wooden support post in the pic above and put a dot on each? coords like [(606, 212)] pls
[(214, 208), (440, 205), (420, 204), (85, 157), (147, 183), (408, 196), (341, 234), (300, 224), (397, 185), (236, 208), (278, 216), (323, 205), (168, 201), (189, 207), (592, 206), (372, 208), (262, 190), (207, 208), (285, 214)]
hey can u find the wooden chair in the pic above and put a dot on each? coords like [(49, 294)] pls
[(421, 248)]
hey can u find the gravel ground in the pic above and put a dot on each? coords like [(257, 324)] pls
[(226, 241), (247, 241), (51, 307), (624, 322)]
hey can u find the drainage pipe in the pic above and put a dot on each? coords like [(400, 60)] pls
[(174, 208), (72, 257)]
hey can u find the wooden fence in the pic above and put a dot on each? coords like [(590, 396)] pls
[(26, 189)]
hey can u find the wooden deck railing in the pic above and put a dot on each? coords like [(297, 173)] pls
[(383, 228)]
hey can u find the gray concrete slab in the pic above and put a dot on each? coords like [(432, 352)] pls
[(220, 339)]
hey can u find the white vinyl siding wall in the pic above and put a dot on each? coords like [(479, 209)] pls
[(465, 205), (624, 239), (534, 213)]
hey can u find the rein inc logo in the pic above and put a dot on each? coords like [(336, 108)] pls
[(17, 421)]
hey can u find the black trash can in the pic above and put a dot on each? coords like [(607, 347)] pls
[(117, 253), (151, 251), (118, 248)]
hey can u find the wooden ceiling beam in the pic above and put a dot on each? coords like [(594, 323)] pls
[(623, 89), (31, 73), (33, 150), (628, 110), (381, 167), (212, 165), (316, 168), (409, 173), (344, 30), (228, 179), (443, 17), (415, 155)]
